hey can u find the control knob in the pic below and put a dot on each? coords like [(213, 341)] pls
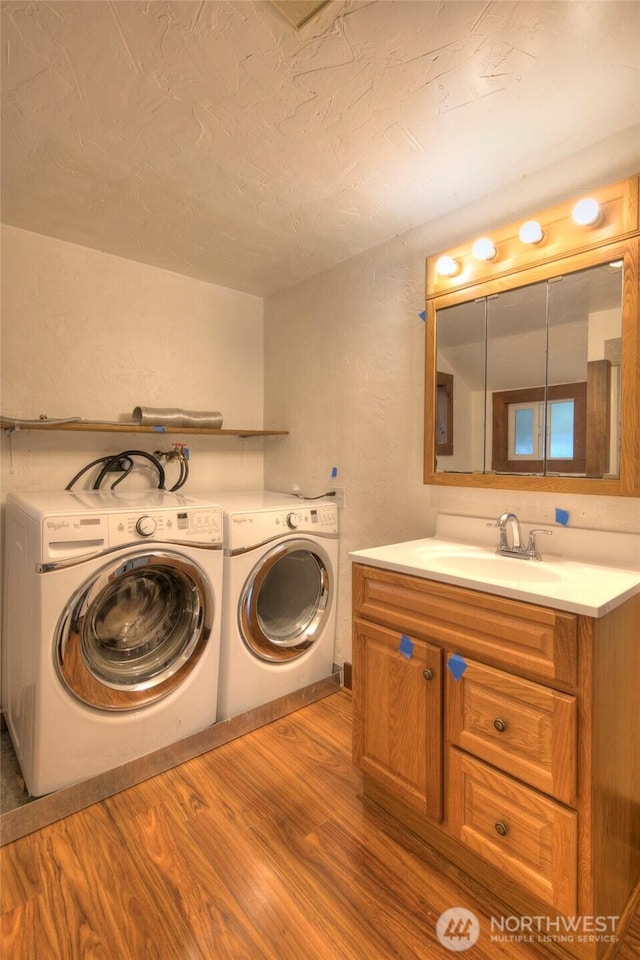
[(293, 520), (146, 526)]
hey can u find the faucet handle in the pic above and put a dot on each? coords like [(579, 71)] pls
[(532, 552)]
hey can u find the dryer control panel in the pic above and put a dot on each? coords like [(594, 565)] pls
[(246, 529)]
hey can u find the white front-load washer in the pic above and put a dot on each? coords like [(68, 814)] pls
[(112, 616), (279, 597)]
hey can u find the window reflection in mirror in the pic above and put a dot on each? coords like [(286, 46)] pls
[(536, 374)]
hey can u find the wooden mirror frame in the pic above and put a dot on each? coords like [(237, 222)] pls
[(565, 248)]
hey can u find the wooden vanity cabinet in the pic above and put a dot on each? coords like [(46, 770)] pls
[(524, 768)]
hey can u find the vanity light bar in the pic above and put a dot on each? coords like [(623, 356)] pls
[(585, 213)]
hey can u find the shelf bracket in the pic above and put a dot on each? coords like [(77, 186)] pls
[(10, 432)]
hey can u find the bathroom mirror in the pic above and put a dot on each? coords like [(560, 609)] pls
[(524, 362), (544, 371)]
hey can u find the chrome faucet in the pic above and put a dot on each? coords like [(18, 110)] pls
[(510, 533), (510, 542)]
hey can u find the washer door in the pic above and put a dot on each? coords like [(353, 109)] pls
[(134, 631), (285, 601)]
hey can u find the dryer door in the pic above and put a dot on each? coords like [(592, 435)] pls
[(134, 631), (286, 600)]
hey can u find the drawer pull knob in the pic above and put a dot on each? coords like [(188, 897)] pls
[(501, 828), (427, 674), (500, 725)]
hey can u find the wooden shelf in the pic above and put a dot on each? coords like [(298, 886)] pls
[(89, 426)]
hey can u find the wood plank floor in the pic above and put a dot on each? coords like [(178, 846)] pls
[(258, 849)]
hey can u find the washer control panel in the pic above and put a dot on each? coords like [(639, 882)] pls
[(64, 536), (186, 524), (247, 529)]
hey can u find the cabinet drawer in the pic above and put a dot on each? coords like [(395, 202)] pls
[(521, 727), (527, 637), (531, 839)]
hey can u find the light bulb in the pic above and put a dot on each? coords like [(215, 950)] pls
[(531, 232), (586, 212), (483, 249), (447, 266)]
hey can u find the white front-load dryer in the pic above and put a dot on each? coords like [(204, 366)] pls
[(112, 615), (279, 597)]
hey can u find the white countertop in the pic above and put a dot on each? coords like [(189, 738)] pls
[(577, 587)]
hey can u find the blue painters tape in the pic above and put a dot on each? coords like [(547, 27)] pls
[(406, 646), (423, 316), (562, 516), (334, 472), (159, 429), (456, 666)]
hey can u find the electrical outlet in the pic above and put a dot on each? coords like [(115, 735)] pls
[(339, 496), (118, 466)]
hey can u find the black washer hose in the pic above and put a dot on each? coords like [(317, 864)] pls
[(184, 474), (81, 473), (128, 454)]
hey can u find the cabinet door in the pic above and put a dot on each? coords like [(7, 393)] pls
[(397, 687)]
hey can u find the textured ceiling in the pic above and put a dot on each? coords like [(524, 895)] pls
[(214, 140)]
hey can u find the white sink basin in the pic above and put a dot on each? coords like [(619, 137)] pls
[(480, 563), (494, 567)]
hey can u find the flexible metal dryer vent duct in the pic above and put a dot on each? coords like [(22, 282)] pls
[(174, 417)]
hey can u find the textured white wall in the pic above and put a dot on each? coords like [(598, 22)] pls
[(344, 358), (344, 365), (92, 335)]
